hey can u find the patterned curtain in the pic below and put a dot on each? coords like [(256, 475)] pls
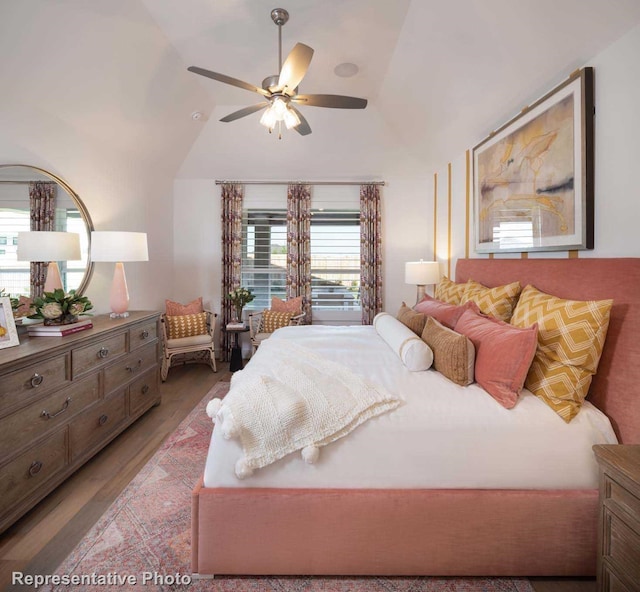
[(298, 246), (370, 253), (42, 208), (232, 195)]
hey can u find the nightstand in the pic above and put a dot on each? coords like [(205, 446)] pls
[(619, 523)]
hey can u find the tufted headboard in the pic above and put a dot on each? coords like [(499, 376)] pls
[(616, 387)]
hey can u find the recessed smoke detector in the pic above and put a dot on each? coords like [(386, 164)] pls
[(196, 115), (346, 70)]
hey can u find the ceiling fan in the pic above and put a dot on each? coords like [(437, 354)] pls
[(280, 92)]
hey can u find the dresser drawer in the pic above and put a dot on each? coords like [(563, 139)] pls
[(621, 545), (621, 496), (94, 425), (46, 414), (612, 584), (19, 387), (129, 367), (141, 335), (99, 353), (32, 469), (143, 392)]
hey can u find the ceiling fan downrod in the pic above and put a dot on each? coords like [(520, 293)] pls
[(279, 16)]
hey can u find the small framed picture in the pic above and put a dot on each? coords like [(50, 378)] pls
[(8, 332)]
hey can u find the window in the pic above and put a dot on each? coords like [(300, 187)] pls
[(335, 249)]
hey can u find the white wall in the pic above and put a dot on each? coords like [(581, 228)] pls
[(94, 93), (617, 153)]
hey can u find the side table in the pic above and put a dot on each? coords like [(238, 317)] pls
[(235, 360), (619, 522)]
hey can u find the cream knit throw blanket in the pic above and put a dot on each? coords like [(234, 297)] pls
[(289, 398)]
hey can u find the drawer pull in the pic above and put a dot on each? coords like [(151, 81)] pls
[(103, 419), (135, 367), (37, 380), (103, 352), (35, 468), (145, 334), (65, 406), (145, 389)]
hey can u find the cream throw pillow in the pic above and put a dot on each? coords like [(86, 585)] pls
[(571, 335)]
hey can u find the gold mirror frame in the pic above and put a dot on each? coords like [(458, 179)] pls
[(79, 204)]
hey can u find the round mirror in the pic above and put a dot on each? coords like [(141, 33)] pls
[(19, 185)]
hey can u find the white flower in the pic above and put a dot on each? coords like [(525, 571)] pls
[(76, 308), (51, 310)]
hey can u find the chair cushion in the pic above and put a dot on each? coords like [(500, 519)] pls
[(176, 309), (203, 340), (260, 337), (180, 326)]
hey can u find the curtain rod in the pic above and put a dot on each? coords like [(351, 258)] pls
[(220, 182), (24, 182)]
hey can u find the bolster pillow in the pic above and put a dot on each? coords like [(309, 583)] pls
[(415, 354)]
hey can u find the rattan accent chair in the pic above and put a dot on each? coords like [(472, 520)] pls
[(256, 332), (188, 350)]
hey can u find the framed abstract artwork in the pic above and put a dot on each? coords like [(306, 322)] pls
[(533, 177), (8, 332)]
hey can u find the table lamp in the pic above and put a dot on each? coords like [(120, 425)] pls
[(118, 247), (51, 246), (421, 273)]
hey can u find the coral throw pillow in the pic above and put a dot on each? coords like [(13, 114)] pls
[(571, 336), (447, 314), (272, 320), (503, 354), (498, 302), (453, 353), (412, 319), (293, 305), (176, 309), (449, 291), (180, 326)]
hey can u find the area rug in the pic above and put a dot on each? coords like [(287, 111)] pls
[(143, 541)]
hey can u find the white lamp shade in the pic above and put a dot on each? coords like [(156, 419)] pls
[(421, 273), (118, 246), (45, 245)]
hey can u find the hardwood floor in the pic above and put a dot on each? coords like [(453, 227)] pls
[(41, 539)]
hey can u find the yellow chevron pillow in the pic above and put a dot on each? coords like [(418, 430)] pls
[(497, 302), (571, 335), (449, 291), (186, 325)]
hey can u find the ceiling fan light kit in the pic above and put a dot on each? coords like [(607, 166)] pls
[(280, 92)]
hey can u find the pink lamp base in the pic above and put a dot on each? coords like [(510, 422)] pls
[(119, 300)]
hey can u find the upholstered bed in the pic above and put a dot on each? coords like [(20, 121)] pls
[(431, 519)]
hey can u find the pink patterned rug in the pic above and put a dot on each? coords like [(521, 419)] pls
[(143, 541)]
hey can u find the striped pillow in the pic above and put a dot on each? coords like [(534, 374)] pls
[(180, 326), (272, 320), (571, 335), (449, 291), (497, 302)]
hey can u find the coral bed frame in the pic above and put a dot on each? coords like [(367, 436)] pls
[(441, 532)]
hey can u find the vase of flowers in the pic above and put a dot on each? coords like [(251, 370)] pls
[(239, 298), (58, 308)]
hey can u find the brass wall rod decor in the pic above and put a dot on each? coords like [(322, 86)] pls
[(222, 182)]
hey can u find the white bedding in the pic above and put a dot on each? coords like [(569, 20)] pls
[(443, 436)]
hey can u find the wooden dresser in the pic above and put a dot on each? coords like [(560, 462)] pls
[(62, 399), (619, 525)]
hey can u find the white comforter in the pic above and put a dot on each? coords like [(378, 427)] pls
[(443, 436)]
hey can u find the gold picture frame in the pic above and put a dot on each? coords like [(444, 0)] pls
[(8, 331), (533, 177)]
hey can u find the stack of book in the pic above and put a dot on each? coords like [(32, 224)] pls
[(59, 330), (232, 326)]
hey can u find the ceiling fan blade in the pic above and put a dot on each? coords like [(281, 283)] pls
[(303, 128), (228, 80), (294, 67), (244, 112), (333, 101)]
